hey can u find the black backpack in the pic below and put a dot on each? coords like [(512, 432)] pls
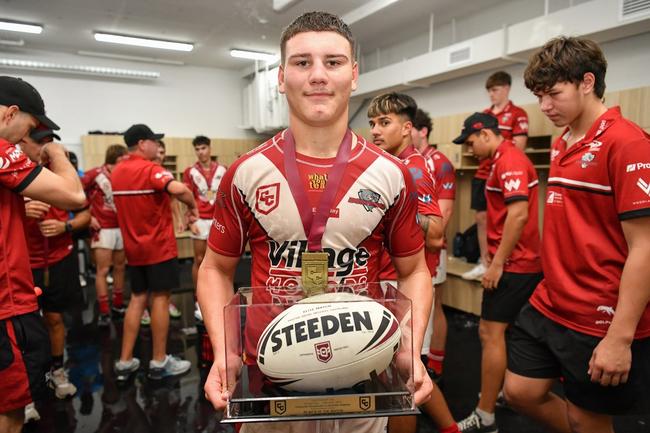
[(466, 245)]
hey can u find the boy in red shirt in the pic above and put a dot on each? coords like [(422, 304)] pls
[(513, 263)]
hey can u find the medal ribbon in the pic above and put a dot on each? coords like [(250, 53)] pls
[(314, 224)]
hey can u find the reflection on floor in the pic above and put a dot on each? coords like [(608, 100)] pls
[(178, 404)]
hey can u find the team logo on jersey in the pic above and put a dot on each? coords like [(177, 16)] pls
[(645, 186), (637, 166), (586, 159), (512, 184), (14, 153), (267, 198), (317, 181), (606, 310), (369, 199)]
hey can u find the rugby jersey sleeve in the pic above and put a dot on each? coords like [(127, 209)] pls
[(511, 174), (519, 122), (629, 170), (159, 177), (425, 185), (445, 179), (16, 170), (229, 229), (402, 232)]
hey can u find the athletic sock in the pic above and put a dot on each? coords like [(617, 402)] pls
[(451, 429), (57, 362), (118, 300), (436, 358), (103, 304), (486, 417)]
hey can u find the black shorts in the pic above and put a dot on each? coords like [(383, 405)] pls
[(478, 201), (24, 360), (159, 277), (63, 291), (541, 348), (504, 303)]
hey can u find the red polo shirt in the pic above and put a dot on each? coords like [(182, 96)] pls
[(513, 178), (592, 186), (513, 120), (144, 211), (46, 251), (16, 285)]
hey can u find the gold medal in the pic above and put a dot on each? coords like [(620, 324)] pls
[(314, 272), (210, 195)]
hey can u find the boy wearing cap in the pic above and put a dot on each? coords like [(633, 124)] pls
[(513, 263), (513, 124), (55, 268), (141, 191), (588, 321), (203, 178), (106, 243), (25, 351)]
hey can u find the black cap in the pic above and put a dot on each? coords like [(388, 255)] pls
[(41, 132), (475, 123), (14, 91), (140, 132)]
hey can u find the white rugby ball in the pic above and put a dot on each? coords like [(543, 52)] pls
[(328, 342)]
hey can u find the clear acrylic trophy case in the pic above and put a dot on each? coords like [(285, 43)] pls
[(258, 397)]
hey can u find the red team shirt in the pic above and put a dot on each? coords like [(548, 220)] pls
[(46, 251), (16, 285), (593, 186), (374, 206), (427, 205), (513, 178), (204, 184), (513, 120), (144, 211), (443, 172), (97, 184)]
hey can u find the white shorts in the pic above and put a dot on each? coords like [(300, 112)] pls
[(204, 229), (441, 270), (110, 239), (353, 425)]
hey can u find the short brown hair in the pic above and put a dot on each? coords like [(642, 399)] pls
[(200, 140), (317, 21), (113, 152), (423, 120), (499, 78), (397, 103), (566, 59)]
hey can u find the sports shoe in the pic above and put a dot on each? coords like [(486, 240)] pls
[(109, 279), (475, 273), (118, 310), (58, 381), (104, 320), (474, 424), (171, 366), (197, 312), (146, 318), (174, 312), (123, 369), (31, 414)]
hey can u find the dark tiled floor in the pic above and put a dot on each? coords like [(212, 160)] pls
[(177, 405)]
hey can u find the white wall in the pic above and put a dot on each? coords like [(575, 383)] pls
[(183, 102), (628, 65)]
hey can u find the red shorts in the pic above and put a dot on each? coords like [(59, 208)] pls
[(24, 360)]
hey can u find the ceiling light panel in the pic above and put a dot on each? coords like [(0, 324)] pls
[(78, 69), (254, 55), (143, 42), (20, 27)]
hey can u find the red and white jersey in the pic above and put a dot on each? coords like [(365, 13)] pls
[(513, 178), (46, 251), (204, 184), (594, 185), (143, 210), (97, 184), (375, 206), (16, 285), (443, 172), (425, 186), (513, 120)]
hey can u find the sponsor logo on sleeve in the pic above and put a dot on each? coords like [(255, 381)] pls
[(645, 186), (267, 198), (448, 185), (637, 166), (512, 184)]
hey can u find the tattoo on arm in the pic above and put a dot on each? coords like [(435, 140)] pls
[(424, 222)]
